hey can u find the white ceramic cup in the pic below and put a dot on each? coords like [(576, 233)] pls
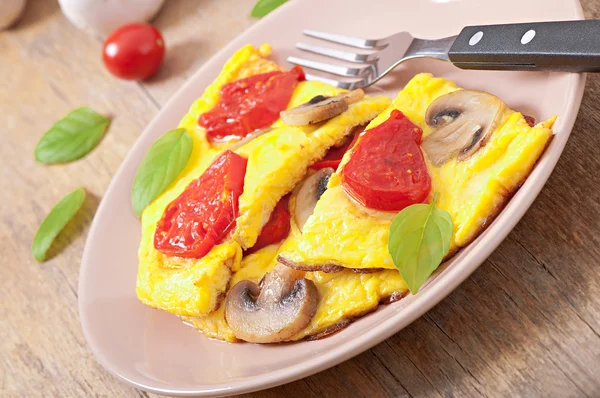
[(10, 11), (102, 17)]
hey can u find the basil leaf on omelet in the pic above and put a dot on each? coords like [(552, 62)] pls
[(72, 137), (263, 7), (55, 221), (162, 164), (420, 237)]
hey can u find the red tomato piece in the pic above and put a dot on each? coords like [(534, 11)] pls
[(134, 51), (205, 212), (323, 164), (386, 170), (335, 154), (276, 229), (250, 104)]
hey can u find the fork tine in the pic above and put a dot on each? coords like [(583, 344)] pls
[(350, 85), (337, 54), (347, 40), (334, 69)]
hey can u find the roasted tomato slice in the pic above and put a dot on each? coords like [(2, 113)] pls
[(335, 154), (205, 212), (276, 229), (250, 104), (386, 170), (323, 164)]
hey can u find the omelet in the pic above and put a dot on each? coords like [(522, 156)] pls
[(342, 233), (341, 247), (277, 161), (343, 296)]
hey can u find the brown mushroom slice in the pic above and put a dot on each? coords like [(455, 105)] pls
[(464, 121), (283, 304), (309, 193), (320, 108)]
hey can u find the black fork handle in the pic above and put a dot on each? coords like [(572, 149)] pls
[(568, 46)]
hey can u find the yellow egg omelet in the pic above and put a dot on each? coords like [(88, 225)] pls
[(342, 245), (277, 161), (471, 191)]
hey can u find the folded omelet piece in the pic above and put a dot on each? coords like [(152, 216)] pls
[(343, 296), (192, 286), (342, 233), (277, 161)]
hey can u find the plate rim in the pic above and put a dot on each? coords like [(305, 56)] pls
[(390, 326)]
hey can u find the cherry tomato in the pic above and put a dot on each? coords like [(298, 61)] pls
[(134, 51), (386, 170), (205, 212), (276, 229), (250, 104)]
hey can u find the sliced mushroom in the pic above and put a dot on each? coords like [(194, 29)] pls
[(280, 307), (309, 193), (320, 108), (464, 121)]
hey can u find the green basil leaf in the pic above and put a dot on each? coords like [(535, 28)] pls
[(263, 7), (420, 237), (72, 137), (55, 221), (160, 167)]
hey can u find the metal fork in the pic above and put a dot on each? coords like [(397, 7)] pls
[(571, 46)]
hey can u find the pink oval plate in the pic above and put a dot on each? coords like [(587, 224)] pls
[(154, 351)]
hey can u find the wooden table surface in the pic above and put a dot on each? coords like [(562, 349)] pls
[(526, 323)]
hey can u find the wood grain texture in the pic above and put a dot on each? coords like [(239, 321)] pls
[(526, 323)]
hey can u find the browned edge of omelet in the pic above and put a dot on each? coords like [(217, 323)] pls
[(345, 322), (221, 297), (327, 267)]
